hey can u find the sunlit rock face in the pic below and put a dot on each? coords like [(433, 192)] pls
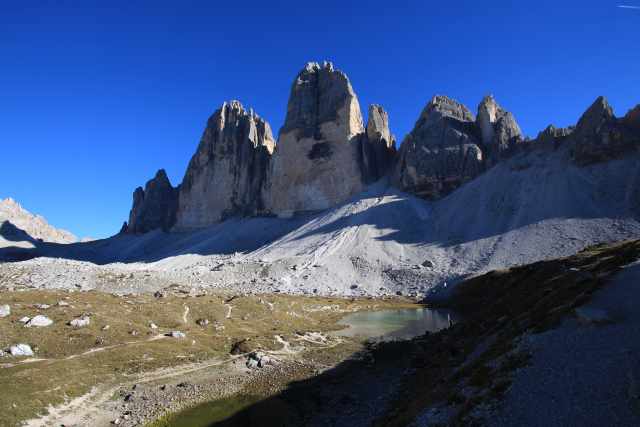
[(226, 175), (317, 163), (154, 207), (441, 152)]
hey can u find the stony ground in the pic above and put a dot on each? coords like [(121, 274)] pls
[(128, 342)]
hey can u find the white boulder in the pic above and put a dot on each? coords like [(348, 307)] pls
[(5, 310), (21, 350), (38, 321)]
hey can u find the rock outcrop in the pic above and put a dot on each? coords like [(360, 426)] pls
[(552, 137), (155, 206), (316, 164), (17, 224), (441, 152), (378, 145), (500, 133), (325, 155), (226, 175), (600, 136), (632, 119)]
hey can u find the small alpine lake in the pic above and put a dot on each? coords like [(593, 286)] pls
[(394, 325), (382, 325)]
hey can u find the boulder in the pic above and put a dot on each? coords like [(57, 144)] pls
[(177, 334), (378, 145), (258, 359), (317, 163), (38, 321), (499, 131), (80, 322), (5, 310), (226, 175), (442, 151), (155, 206), (21, 350)]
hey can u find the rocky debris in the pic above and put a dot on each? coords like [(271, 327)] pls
[(5, 310), (226, 175), (38, 321), (500, 133), (441, 152), (202, 322), (153, 325), (21, 350), (258, 359), (176, 334), (41, 306), (317, 163), (378, 145), (105, 328), (155, 206), (17, 222), (80, 322), (62, 303), (600, 136)]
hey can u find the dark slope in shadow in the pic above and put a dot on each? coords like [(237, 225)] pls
[(12, 233), (456, 369)]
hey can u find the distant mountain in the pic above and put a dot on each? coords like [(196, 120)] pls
[(18, 224), (325, 155)]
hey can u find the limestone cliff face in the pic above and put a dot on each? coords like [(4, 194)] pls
[(16, 224), (325, 155), (226, 174), (441, 152), (500, 133), (154, 207), (378, 145), (317, 163)]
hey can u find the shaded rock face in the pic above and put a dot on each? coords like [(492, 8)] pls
[(441, 152), (600, 136), (500, 133), (317, 161), (378, 145), (155, 206), (552, 137), (632, 119), (226, 174)]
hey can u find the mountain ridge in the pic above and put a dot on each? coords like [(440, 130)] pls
[(324, 154)]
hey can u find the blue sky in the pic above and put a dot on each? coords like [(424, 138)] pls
[(96, 96)]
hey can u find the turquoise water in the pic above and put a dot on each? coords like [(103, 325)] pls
[(391, 325), (384, 325)]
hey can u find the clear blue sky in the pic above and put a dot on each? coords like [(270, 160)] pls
[(95, 96)]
